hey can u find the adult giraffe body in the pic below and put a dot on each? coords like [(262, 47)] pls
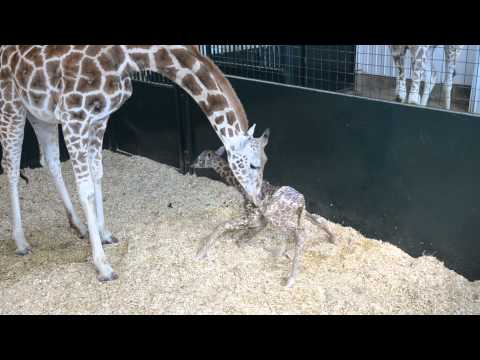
[(79, 87)]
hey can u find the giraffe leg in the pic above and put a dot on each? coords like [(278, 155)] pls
[(451, 54), (280, 250), (247, 236), (96, 133), (398, 54), (430, 80), (322, 224), (12, 152), (47, 135), (76, 140), (256, 224), (299, 243), (419, 60), (233, 225)]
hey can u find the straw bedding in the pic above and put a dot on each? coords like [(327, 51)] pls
[(160, 217)]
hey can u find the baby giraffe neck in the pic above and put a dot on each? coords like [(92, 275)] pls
[(221, 167)]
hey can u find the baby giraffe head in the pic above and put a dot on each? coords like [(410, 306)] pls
[(210, 159), (247, 159)]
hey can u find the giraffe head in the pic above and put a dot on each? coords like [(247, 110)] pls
[(247, 159), (210, 159)]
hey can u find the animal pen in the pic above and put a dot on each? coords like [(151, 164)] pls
[(402, 173)]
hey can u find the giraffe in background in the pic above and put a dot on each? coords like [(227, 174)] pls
[(422, 60)]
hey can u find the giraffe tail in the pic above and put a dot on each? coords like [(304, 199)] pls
[(23, 176), (322, 223)]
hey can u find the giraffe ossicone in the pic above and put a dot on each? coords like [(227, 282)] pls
[(78, 87), (251, 131)]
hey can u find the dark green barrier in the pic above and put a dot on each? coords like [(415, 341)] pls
[(402, 174), (148, 125)]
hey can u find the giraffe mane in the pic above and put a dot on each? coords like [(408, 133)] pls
[(225, 86)]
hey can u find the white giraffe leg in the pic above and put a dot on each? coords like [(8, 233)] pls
[(398, 53), (47, 136), (430, 79), (78, 151), (12, 153), (299, 244), (96, 133), (451, 54), (419, 60)]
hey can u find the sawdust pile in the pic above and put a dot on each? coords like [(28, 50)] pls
[(160, 216)]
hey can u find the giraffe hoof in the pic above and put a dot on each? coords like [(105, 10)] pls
[(80, 232), (240, 243), (201, 254), (80, 229), (104, 278), (24, 252), (111, 241), (289, 282)]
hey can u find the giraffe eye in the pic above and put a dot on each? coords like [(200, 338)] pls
[(253, 167)]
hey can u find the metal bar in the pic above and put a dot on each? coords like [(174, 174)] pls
[(303, 65), (188, 144), (181, 131)]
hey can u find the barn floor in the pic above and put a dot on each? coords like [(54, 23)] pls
[(158, 273)]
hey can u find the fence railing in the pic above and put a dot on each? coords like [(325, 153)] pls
[(361, 70)]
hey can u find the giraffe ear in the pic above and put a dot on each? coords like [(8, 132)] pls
[(220, 151), (265, 137), (251, 131)]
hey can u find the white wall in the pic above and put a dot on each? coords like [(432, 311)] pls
[(475, 94)]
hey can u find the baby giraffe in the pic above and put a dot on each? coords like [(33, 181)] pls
[(283, 207)]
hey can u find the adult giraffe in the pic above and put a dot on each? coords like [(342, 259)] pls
[(79, 87)]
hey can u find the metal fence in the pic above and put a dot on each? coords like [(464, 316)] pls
[(327, 67), (320, 67), (362, 70)]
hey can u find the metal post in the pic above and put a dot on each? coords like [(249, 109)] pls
[(188, 149), (180, 138), (182, 110), (303, 65), (208, 50)]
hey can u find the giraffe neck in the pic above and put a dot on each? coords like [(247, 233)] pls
[(221, 167), (201, 79)]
